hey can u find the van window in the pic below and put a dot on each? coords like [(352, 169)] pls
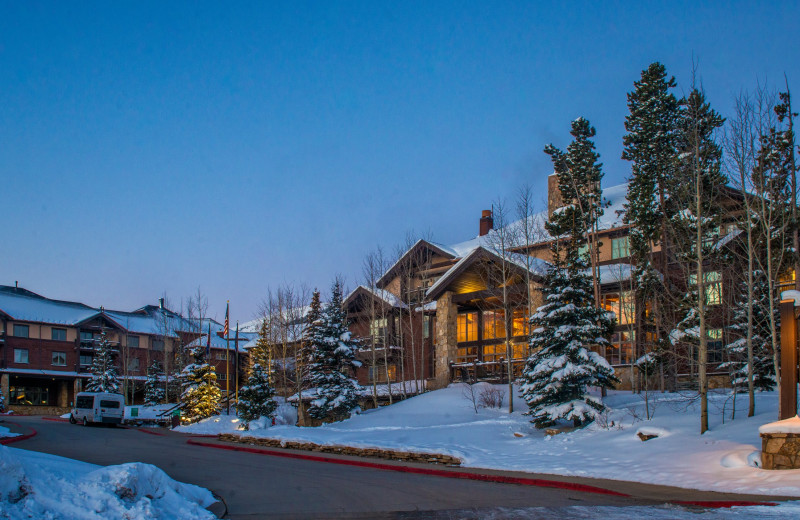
[(84, 401), (109, 404)]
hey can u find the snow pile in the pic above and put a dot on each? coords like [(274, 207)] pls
[(37, 485), (285, 414), (5, 432), (445, 422)]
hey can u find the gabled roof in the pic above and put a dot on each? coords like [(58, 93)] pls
[(381, 294), (418, 246), (23, 305), (481, 253)]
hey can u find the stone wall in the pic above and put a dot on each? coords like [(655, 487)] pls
[(436, 458), (446, 340), (38, 410), (780, 450)]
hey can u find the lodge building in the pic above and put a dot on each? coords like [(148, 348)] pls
[(47, 347)]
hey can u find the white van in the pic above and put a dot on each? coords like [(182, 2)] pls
[(97, 407)]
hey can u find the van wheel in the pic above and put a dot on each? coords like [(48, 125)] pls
[(85, 422), (72, 419)]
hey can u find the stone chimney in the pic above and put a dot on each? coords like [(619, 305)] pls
[(486, 221), (554, 200)]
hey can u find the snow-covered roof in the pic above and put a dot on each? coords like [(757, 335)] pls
[(382, 294), (219, 343), (38, 308), (537, 267)]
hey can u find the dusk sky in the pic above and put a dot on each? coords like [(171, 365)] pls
[(155, 147)]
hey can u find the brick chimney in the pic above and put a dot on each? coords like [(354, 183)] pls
[(554, 200), (486, 221)]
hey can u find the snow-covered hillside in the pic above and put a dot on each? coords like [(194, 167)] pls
[(445, 421)]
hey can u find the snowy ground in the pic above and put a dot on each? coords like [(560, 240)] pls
[(445, 421), (37, 485)]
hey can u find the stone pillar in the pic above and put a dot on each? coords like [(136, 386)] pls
[(63, 394), (446, 339), (77, 386), (4, 382)]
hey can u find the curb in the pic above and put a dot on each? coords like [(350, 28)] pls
[(55, 419), (9, 440), (420, 471), (722, 504), (147, 431)]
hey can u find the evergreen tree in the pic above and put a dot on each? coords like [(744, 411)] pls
[(153, 387), (650, 145), (763, 373), (104, 367), (201, 393), (333, 362), (557, 375), (256, 398)]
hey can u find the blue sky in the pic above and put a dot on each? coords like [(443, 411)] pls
[(151, 147)]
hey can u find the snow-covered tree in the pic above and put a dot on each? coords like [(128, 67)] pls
[(256, 397), (650, 145), (737, 366), (104, 366), (333, 352), (563, 365), (153, 387), (201, 393)]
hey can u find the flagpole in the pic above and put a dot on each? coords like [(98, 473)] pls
[(236, 361), (227, 359)]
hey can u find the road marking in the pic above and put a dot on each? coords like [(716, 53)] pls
[(9, 440)]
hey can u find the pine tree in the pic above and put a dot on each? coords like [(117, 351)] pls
[(763, 373), (650, 145), (201, 393), (557, 375), (153, 387), (104, 367), (333, 361), (256, 398)]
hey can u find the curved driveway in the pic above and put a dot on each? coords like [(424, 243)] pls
[(257, 486)]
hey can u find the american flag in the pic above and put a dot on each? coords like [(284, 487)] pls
[(227, 312)]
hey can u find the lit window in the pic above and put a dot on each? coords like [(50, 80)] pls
[(467, 326), (520, 325), (620, 248), (20, 355), (58, 334), (59, 359), (493, 324), (622, 306), (715, 349), (713, 286), (377, 330), (21, 331)]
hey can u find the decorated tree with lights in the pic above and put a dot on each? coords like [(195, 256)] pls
[(200, 391)]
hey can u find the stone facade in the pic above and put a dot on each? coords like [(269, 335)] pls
[(446, 340), (780, 450)]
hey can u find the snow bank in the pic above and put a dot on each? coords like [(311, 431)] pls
[(224, 423), (445, 422), (37, 485)]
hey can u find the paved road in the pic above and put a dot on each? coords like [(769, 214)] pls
[(257, 486)]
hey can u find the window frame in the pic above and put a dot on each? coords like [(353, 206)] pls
[(60, 355), (60, 330), (18, 357), (20, 327)]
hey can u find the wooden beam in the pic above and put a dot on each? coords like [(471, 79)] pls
[(788, 389)]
